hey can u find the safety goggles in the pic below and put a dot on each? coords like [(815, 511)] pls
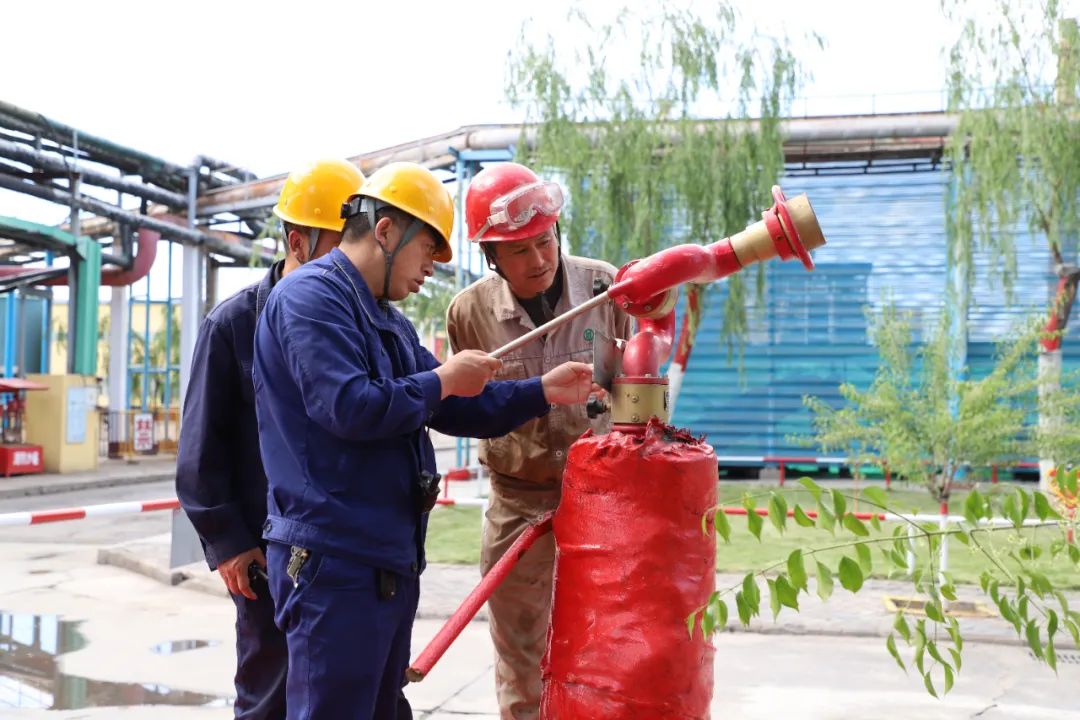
[(515, 209)]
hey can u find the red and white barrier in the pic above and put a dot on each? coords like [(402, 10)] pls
[(78, 513), (464, 502), (469, 472), (39, 517)]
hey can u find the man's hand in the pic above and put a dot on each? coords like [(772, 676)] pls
[(466, 373), (568, 384), (600, 393), (234, 572)]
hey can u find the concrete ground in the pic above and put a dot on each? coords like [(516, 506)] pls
[(124, 615), (827, 662)]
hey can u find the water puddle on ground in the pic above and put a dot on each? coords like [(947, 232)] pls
[(30, 676)]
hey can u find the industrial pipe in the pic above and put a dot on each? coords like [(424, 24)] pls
[(433, 151), (126, 259), (793, 131), (650, 346), (648, 289), (98, 227), (124, 158), (37, 276), (420, 667), (52, 163), (788, 229), (227, 169), (114, 277), (175, 232)]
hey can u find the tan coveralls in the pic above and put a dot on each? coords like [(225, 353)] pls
[(526, 466)]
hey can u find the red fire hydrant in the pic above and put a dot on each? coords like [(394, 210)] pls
[(631, 561)]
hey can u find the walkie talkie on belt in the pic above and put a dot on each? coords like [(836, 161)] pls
[(428, 491)]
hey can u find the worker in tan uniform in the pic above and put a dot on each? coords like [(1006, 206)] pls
[(513, 215)]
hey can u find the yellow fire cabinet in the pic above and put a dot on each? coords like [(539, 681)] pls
[(63, 420)]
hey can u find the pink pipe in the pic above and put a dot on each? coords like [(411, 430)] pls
[(647, 289), (472, 603), (146, 251), (649, 347), (642, 284), (642, 289), (146, 242)]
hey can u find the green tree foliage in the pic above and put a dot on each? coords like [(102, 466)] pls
[(680, 144), (1017, 583), (1015, 155), (928, 421)]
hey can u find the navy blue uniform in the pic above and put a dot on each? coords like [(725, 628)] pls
[(222, 486), (345, 393)]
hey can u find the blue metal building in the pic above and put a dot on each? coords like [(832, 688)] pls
[(886, 238)]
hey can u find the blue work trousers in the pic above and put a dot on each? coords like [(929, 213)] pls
[(261, 658), (348, 642)]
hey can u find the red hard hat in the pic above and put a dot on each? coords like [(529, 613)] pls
[(508, 202)]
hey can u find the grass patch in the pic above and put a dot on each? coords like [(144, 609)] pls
[(903, 497), (745, 553), (454, 537)]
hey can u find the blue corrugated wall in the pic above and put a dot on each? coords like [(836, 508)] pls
[(886, 238), (22, 348)]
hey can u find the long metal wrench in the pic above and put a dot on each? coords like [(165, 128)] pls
[(549, 326)]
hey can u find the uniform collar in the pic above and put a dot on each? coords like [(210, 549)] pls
[(379, 317), (267, 284), (577, 284), (574, 293)]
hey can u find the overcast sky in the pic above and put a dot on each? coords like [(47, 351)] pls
[(269, 85)]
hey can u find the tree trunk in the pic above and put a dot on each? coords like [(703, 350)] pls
[(1068, 275), (1050, 360), (1049, 384), (695, 300), (943, 523)]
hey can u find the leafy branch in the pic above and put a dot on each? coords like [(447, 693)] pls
[(680, 143), (1027, 610)]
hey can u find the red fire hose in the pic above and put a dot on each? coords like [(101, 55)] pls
[(631, 565), (475, 599), (631, 560)]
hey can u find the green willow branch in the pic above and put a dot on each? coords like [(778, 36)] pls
[(925, 534)]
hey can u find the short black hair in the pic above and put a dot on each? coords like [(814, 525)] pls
[(288, 227), (358, 226)]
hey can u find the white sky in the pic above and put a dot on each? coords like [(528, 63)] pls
[(269, 85)]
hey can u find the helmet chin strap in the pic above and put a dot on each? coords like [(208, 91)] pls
[(370, 206), (313, 240)]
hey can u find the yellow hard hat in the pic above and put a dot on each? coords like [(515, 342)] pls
[(415, 189), (312, 195)]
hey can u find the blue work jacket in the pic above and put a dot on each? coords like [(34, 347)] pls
[(219, 474), (344, 393)]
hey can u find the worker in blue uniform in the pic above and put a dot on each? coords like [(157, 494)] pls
[(345, 394), (219, 473)]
